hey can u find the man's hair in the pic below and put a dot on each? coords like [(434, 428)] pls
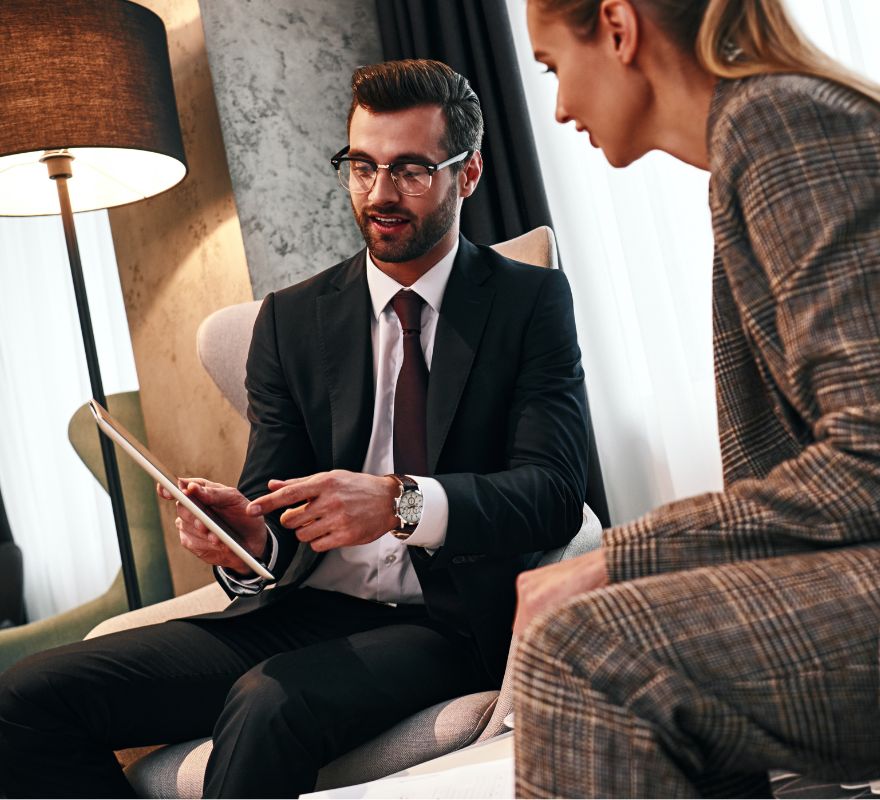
[(400, 85)]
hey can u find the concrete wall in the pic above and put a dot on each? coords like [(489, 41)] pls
[(282, 72)]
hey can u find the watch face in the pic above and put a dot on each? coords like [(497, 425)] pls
[(410, 507)]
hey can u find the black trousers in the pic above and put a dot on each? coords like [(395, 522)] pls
[(283, 690)]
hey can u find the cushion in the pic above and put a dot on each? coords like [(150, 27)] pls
[(178, 770), (199, 601)]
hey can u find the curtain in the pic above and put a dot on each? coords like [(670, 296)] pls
[(5, 530), (475, 40), (637, 245), (59, 515)]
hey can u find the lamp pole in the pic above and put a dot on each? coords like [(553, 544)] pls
[(59, 164)]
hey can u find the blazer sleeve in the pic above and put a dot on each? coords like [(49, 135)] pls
[(806, 178), (278, 445), (536, 503)]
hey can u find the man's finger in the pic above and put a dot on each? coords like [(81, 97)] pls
[(184, 513), (202, 482), (314, 530), (216, 495), (303, 514), (293, 491), (193, 527)]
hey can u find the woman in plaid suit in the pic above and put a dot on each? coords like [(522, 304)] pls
[(735, 632)]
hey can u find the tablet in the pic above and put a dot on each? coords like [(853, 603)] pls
[(147, 461)]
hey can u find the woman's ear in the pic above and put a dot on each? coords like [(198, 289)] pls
[(469, 176), (619, 25)]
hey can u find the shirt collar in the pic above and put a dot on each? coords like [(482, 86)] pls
[(430, 287)]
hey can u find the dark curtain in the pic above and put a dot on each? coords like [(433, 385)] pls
[(11, 576), (5, 530), (474, 38)]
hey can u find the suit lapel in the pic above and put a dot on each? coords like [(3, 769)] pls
[(346, 354), (463, 315)]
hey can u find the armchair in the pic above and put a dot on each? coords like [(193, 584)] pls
[(177, 770), (146, 534)]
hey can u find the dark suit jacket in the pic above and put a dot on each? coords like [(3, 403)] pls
[(507, 424)]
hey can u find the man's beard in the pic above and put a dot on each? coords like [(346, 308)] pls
[(422, 235)]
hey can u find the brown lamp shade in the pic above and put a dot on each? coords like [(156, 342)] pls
[(92, 77)]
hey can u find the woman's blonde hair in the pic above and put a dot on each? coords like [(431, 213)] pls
[(730, 38)]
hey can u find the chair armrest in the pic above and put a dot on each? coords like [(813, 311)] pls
[(200, 601), (588, 538)]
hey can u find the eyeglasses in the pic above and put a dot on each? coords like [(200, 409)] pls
[(358, 175)]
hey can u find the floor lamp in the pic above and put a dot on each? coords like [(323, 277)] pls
[(88, 120)]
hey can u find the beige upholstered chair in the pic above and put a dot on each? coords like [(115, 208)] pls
[(177, 770)]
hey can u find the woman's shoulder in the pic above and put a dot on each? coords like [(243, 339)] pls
[(755, 117), (736, 101)]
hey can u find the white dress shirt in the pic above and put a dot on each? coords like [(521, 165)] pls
[(382, 570)]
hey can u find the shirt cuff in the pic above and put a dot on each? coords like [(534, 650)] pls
[(430, 533), (255, 585)]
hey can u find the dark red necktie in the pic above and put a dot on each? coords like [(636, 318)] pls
[(411, 395)]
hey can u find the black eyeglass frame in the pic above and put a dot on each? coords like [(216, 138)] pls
[(337, 160)]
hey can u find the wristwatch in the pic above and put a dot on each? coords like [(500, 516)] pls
[(407, 506)]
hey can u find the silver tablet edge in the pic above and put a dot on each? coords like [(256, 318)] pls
[(178, 494)]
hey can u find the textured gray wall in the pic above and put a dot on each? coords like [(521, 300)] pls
[(281, 71)]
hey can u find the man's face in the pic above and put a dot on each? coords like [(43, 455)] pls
[(399, 227)]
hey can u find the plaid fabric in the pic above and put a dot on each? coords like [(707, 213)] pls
[(697, 686), (621, 693)]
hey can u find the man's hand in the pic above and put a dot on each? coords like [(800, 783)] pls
[(544, 589), (231, 505), (333, 509)]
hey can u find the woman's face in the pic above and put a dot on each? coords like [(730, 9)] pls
[(599, 86)]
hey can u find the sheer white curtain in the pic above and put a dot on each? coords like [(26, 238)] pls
[(59, 515), (636, 245)]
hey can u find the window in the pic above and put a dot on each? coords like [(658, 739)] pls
[(60, 517)]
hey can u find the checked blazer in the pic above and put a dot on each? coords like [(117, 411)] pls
[(740, 632)]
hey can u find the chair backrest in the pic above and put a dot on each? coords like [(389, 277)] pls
[(138, 490), (223, 340), (224, 337)]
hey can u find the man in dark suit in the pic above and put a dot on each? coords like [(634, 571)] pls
[(394, 510)]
